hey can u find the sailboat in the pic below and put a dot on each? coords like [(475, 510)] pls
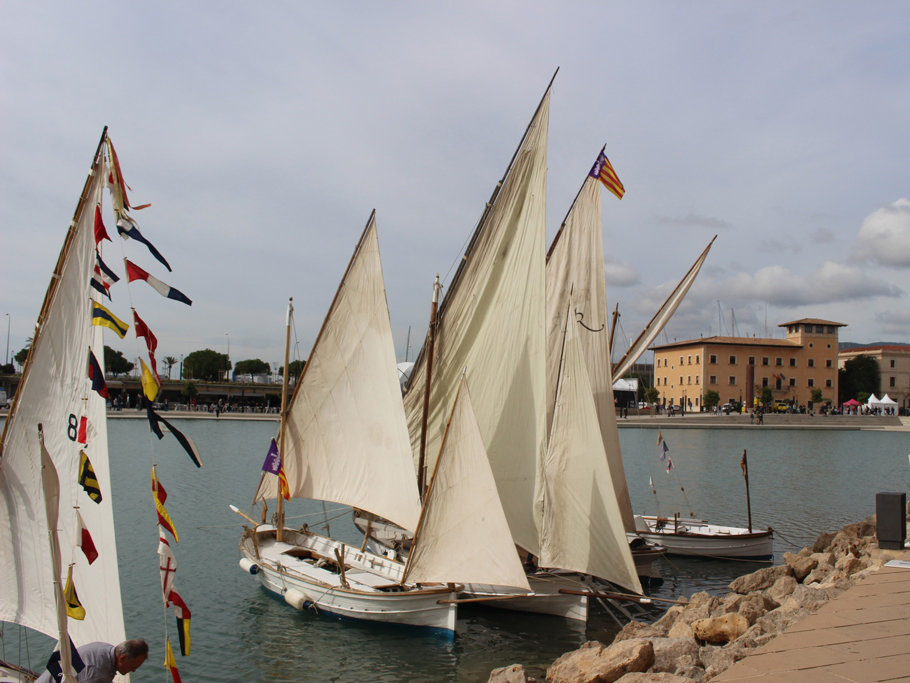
[(493, 321), (41, 441), (343, 438)]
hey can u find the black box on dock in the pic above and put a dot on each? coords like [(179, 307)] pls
[(891, 520)]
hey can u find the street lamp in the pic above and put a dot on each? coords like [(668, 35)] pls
[(7, 338), (228, 373)]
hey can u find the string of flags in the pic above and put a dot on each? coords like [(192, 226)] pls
[(664, 451)]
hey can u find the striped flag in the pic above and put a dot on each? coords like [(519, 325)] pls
[(170, 664), (96, 375), (87, 478), (55, 665), (283, 487), (128, 229), (84, 539), (134, 272), (164, 519), (603, 171), (188, 444), (104, 318), (182, 612), (74, 608), (103, 277)]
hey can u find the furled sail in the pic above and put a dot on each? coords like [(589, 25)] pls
[(463, 535), (582, 525), (347, 438), (492, 322), (575, 266), (662, 317), (56, 392)]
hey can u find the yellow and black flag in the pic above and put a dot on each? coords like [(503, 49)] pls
[(74, 608), (87, 478), (182, 612)]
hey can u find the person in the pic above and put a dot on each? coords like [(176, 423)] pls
[(103, 661)]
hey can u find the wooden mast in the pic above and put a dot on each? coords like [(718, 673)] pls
[(613, 330), (745, 465), (569, 212), (55, 281), (282, 430), (431, 344)]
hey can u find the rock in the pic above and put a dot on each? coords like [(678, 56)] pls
[(823, 542), (850, 565), (636, 629), (782, 588), (721, 629), (691, 672), (824, 558), (681, 629), (637, 677), (810, 598), (801, 566), (860, 529), (594, 663), (777, 620), (511, 674), (819, 574), (669, 618), (668, 652), (761, 579)]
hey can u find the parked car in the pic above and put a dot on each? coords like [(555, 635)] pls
[(780, 406)]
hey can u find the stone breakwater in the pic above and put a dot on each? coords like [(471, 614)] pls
[(707, 634)]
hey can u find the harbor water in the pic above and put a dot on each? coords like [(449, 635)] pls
[(802, 483)]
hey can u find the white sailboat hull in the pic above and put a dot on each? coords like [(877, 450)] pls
[(545, 597), (373, 593), (698, 538)]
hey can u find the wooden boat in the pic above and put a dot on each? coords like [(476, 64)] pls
[(698, 538)]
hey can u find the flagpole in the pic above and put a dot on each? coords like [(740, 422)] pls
[(745, 464), (279, 534)]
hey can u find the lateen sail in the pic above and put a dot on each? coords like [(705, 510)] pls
[(56, 393), (575, 266), (463, 535), (344, 444), (582, 525), (661, 318), (492, 322)]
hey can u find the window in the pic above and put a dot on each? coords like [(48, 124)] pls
[(811, 382), (793, 381), (811, 362), (732, 360), (680, 360), (830, 329), (794, 328), (712, 359), (892, 363), (690, 360), (893, 382), (778, 383), (792, 362), (764, 381), (689, 379), (696, 379), (712, 379), (829, 363), (808, 328), (779, 362), (680, 380), (751, 360), (765, 360), (732, 379), (697, 359), (829, 383)]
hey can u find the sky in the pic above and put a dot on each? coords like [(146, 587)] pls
[(265, 133)]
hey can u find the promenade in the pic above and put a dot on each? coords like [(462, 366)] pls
[(863, 636), (771, 421)]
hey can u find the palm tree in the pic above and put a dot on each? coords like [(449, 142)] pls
[(169, 361)]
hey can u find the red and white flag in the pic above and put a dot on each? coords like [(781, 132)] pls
[(84, 539)]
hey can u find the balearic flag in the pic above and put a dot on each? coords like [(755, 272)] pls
[(95, 374), (164, 519), (104, 318), (150, 386), (603, 171), (87, 478), (128, 229), (167, 564), (134, 272), (151, 342), (100, 231), (273, 465), (84, 539), (55, 667), (188, 444), (170, 664), (74, 608), (182, 612), (744, 464)]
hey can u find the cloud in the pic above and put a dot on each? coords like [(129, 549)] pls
[(619, 274), (822, 236), (895, 322), (884, 237), (693, 220), (778, 247)]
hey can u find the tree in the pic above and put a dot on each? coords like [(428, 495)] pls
[(860, 374), (189, 391), (651, 394), (766, 395), (8, 369), (711, 398), (115, 363), (295, 367), (169, 362), (22, 354), (816, 396), (206, 364), (252, 367)]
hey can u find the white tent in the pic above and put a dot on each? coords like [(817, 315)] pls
[(873, 401)]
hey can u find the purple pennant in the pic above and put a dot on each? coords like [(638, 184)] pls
[(272, 462), (663, 451)]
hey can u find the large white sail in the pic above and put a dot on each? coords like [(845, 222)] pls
[(463, 535), (575, 266), (582, 524), (492, 322), (662, 317), (56, 393), (347, 439)]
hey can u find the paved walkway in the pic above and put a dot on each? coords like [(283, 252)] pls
[(863, 635)]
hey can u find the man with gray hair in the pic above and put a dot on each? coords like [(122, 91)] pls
[(103, 661)]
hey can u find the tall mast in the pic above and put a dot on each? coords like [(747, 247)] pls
[(431, 343), (282, 430)]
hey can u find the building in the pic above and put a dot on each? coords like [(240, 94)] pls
[(737, 367), (894, 363)]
